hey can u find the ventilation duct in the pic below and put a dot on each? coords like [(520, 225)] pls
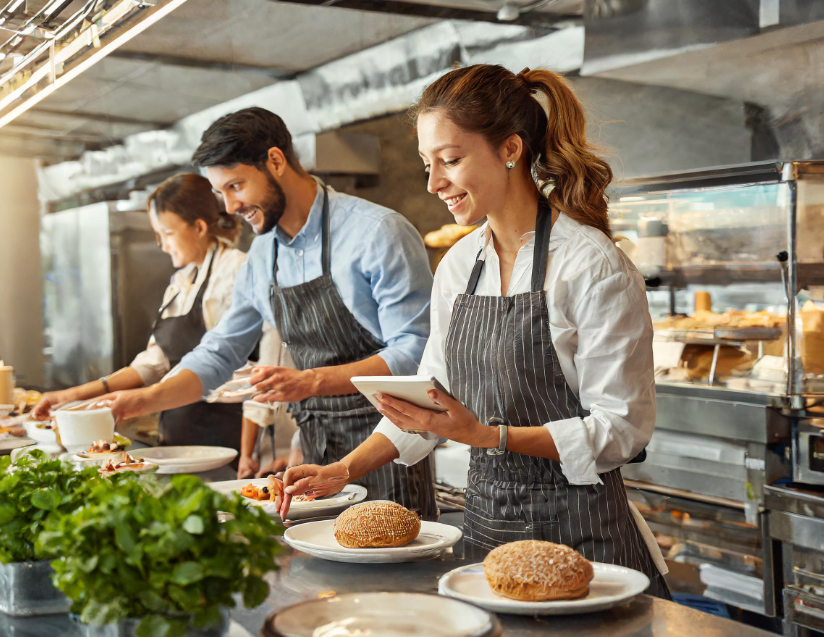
[(383, 79)]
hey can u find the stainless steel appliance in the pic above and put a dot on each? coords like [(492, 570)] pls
[(795, 532), (104, 282), (808, 450), (749, 238)]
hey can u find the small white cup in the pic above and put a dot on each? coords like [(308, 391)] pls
[(80, 429)]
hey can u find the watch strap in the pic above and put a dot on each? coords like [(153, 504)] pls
[(503, 431)]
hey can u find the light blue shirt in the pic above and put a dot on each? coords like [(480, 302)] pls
[(379, 266)]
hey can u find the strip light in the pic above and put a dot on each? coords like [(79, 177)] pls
[(90, 61)]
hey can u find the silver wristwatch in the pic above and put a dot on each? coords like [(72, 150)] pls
[(503, 430)]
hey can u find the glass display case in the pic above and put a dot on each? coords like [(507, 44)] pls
[(734, 263)]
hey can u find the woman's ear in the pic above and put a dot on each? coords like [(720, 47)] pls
[(512, 149), (201, 227)]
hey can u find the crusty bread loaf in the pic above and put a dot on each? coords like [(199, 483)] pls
[(376, 524), (534, 571)]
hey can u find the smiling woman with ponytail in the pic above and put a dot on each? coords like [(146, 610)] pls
[(540, 327), (198, 236)]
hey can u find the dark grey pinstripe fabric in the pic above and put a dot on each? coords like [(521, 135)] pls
[(320, 331), (501, 363)]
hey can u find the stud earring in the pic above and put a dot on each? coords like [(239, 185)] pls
[(510, 164)]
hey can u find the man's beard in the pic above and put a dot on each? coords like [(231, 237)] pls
[(272, 208)]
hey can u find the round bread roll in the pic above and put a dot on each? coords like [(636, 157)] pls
[(376, 524), (533, 571)]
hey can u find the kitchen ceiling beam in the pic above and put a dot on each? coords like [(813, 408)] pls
[(536, 19), (208, 65), (101, 117)]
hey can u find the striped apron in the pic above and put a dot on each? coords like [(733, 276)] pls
[(501, 363), (320, 331)]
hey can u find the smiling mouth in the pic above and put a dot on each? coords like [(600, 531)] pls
[(250, 214), (454, 201)]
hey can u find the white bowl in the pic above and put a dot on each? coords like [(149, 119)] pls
[(80, 429)]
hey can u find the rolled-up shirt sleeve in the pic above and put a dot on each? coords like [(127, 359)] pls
[(413, 448), (151, 364), (396, 264), (616, 384), (226, 348)]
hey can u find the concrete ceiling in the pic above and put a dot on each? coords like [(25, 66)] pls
[(204, 53), (210, 51)]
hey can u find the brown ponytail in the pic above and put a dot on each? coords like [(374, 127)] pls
[(190, 197), (493, 101)]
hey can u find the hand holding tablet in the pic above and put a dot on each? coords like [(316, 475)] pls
[(412, 389)]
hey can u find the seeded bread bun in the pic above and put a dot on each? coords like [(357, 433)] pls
[(533, 571), (376, 524)]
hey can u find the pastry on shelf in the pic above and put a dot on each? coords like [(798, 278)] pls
[(447, 236)]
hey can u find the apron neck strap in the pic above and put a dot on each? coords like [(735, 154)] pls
[(325, 252), (200, 293), (543, 228), (476, 273)]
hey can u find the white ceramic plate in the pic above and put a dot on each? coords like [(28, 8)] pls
[(384, 614), (145, 467), (192, 459), (98, 459), (9, 442), (318, 539), (351, 494), (611, 586)]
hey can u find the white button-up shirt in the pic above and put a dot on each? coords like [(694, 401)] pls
[(602, 333)]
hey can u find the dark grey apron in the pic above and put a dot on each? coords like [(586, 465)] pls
[(200, 423), (320, 331), (501, 363)]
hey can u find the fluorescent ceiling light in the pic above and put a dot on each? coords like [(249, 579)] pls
[(76, 70), (15, 6)]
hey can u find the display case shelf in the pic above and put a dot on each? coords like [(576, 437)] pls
[(724, 229)]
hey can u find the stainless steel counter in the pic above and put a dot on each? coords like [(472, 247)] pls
[(303, 577)]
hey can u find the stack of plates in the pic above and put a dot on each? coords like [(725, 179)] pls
[(318, 539)]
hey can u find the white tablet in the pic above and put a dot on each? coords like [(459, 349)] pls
[(412, 389)]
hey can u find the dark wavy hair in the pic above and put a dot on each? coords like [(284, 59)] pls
[(245, 137), (495, 102)]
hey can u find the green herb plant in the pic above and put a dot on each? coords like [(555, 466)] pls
[(142, 549), (31, 488)]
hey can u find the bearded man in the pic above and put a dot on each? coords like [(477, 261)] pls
[(346, 283)]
